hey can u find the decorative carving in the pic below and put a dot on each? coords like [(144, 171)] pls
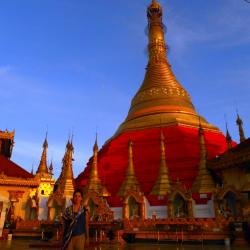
[(133, 205), (98, 206), (227, 201)]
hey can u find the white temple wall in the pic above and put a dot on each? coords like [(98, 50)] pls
[(204, 210), (117, 212)]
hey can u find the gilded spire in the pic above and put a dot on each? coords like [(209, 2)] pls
[(162, 185), (65, 180), (204, 182), (43, 168), (51, 169), (228, 138), (32, 169), (160, 95), (130, 182), (239, 122), (94, 183), (68, 160)]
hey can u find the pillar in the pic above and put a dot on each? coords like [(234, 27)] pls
[(190, 208)]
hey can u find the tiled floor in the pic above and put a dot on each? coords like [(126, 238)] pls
[(25, 244)]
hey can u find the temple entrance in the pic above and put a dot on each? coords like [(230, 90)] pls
[(134, 208), (228, 204), (180, 206)]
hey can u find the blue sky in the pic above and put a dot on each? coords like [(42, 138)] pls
[(74, 65)]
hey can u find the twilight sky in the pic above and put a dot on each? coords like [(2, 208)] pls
[(73, 66)]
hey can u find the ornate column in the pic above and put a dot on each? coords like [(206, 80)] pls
[(142, 208), (170, 209), (125, 210)]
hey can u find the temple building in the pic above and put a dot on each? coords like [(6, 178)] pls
[(165, 165), (23, 195), (16, 184), (165, 172)]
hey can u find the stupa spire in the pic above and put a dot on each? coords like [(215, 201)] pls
[(160, 95), (204, 182), (162, 185), (228, 138), (130, 182), (65, 180), (68, 160), (239, 122), (94, 183), (43, 168), (51, 169)]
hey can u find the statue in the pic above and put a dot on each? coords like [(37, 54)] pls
[(34, 207)]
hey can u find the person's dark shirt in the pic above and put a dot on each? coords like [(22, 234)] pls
[(79, 227)]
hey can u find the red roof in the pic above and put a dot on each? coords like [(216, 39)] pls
[(11, 169), (182, 156)]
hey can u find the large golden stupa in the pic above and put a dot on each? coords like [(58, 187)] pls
[(161, 108)]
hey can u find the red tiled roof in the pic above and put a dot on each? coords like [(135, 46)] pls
[(11, 169)]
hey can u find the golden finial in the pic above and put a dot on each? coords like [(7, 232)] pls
[(239, 122), (51, 169), (94, 182), (162, 185), (95, 148), (204, 182), (130, 182), (94, 169), (131, 170), (43, 168), (66, 178), (228, 138), (68, 161), (32, 169)]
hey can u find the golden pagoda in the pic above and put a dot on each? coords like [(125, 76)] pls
[(161, 99), (130, 182), (204, 182), (46, 181), (162, 185), (64, 186), (43, 168), (161, 104), (94, 182), (65, 181)]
